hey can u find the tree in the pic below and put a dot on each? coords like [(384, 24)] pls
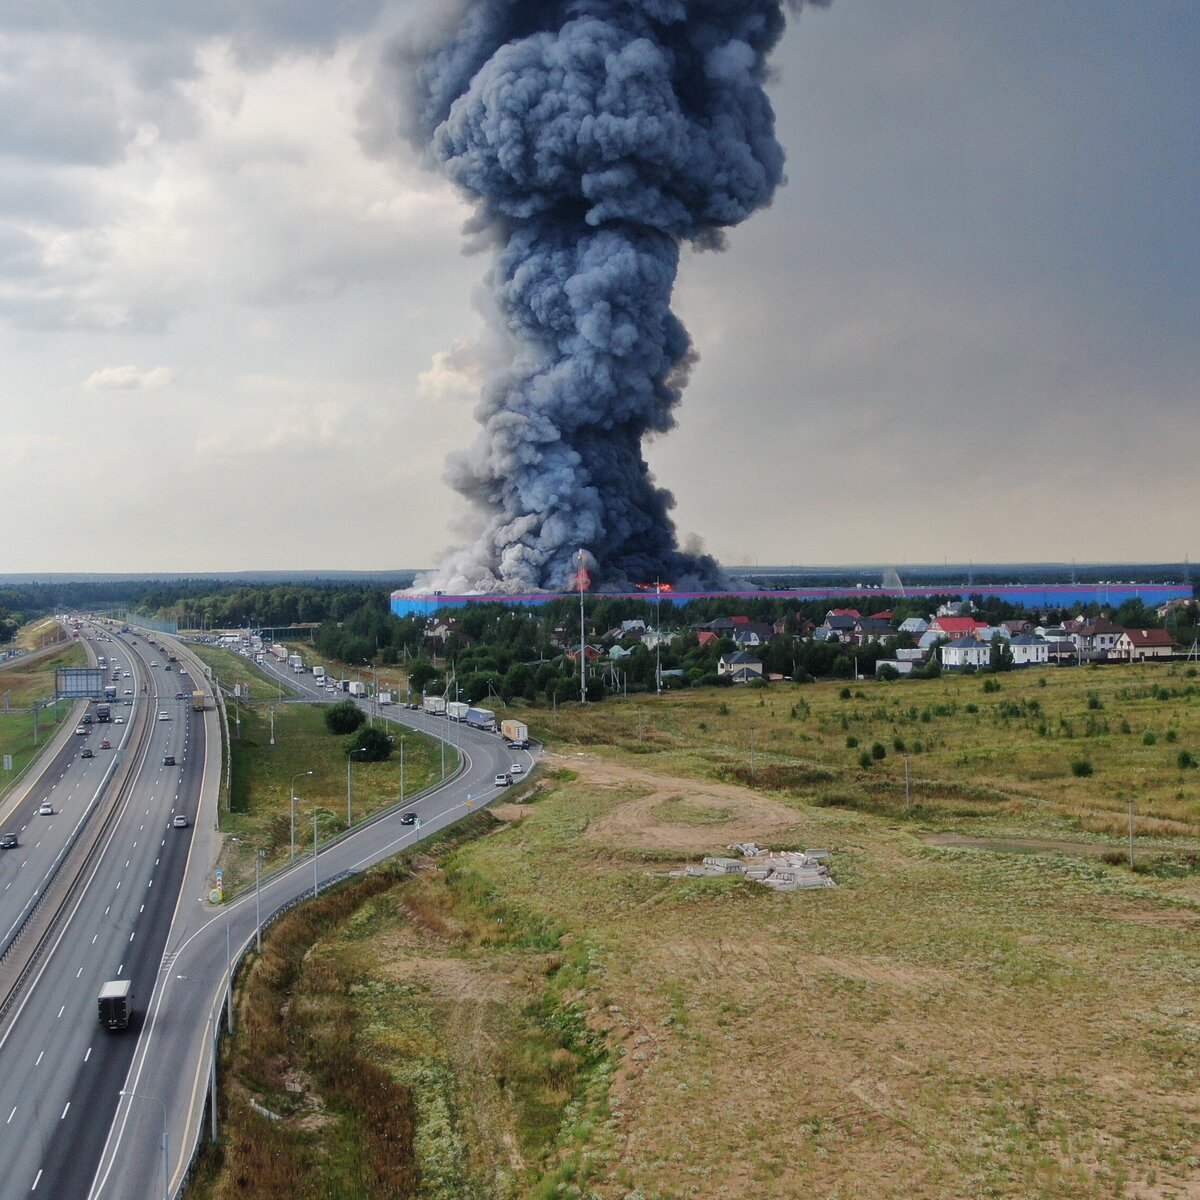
[(345, 717), (1002, 655), (420, 674), (369, 745)]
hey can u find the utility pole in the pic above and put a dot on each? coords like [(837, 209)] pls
[(752, 733), (582, 637), (316, 886), (402, 768), (1131, 833), (907, 787)]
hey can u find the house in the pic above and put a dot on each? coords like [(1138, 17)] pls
[(1062, 651), (590, 652), (1094, 639), (617, 653), (840, 625), (752, 634), (1138, 645), (872, 629), (914, 625), (852, 613), (966, 652), (953, 626), (656, 637), (632, 628), (706, 637), (901, 666), (928, 640), (1016, 628), (1029, 650), (740, 666)]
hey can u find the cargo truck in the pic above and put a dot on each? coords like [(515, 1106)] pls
[(103, 713), (357, 689), (319, 674), (199, 701), (116, 1004), (385, 698), (456, 711), (516, 733), (110, 692), (295, 662), (481, 718), (434, 704)]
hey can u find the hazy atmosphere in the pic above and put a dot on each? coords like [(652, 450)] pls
[(240, 331)]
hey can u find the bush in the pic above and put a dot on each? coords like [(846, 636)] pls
[(369, 745), (991, 685), (1149, 738), (1186, 760), (844, 694), (344, 717), (1094, 701), (898, 745), (878, 750), (1081, 767), (864, 759), (851, 742), (887, 673)]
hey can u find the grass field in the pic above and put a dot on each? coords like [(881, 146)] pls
[(22, 688), (231, 669), (263, 774), (948, 1022)]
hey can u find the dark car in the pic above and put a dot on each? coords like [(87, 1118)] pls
[(8, 841), (168, 760), (409, 818)]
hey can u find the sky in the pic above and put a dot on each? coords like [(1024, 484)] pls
[(238, 329)]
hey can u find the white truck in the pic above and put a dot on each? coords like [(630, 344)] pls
[(357, 689), (319, 674), (116, 1004), (296, 662), (436, 705), (385, 698), (457, 711)]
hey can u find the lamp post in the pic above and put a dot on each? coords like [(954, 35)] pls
[(259, 855), (402, 768), (139, 1096), (349, 765), (292, 789)]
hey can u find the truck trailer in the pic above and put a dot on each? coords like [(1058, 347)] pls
[(357, 688), (516, 733), (296, 662), (384, 698), (457, 711), (319, 674), (116, 1004), (481, 718), (434, 704), (199, 701)]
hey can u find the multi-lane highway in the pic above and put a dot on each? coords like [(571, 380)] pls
[(62, 1073), (170, 1071)]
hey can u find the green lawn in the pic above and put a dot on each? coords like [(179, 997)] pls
[(21, 688), (231, 668)]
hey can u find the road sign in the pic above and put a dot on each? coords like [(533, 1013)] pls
[(8, 762)]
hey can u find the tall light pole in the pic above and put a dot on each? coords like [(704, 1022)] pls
[(581, 577), (349, 765), (258, 857), (292, 789), (139, 1096), (402, 768), (316, 888)]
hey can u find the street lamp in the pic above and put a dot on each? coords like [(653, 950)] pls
[(139, 1096), (292, 789), (349, 765)]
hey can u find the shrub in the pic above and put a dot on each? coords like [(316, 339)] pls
[(898, 745), (878, 750), (887, 673), (369, 745), (991, 685), (345, 717), (971, 708), (1186, 760), (1172, 735), (1149, 738), (851, 742), (1081, 767), (844, 694), (1094, 702), (864, 759)]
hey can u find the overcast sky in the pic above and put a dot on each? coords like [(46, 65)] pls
[(237, 329)]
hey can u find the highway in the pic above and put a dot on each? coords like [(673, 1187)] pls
[(170, 1069), (59, 1088)]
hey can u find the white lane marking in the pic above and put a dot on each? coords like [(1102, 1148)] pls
[(151, 883), (142, 909), (94, 937), (36, 1181), (131, 936), (11, 1115), (60, 1013), (106, 910), (78, 973), (88, 1054), (64, 1115), (41, 1055)]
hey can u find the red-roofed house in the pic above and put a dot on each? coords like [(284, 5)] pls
[(706, 637), (740, 620), (954, 627), (843, 612), (1137, 645)]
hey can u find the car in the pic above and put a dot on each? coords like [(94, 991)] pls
[(45, 809), (154, 662), (408, 818), (128, 691), (180, 821), (164, 715), (8, 841), (168, 667), (180, 696), (118, 720), (105, 744), (516, 769), (168, 760), (81, 730), (87, 752), (503, 780), (127, 675)]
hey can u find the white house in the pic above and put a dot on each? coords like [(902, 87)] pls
[(1137, 645), (1029, 650), (965, 652), (740, 665), (916, 625)]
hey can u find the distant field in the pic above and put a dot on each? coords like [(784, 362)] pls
[(21, 687), (948, 1022), (231, 669)]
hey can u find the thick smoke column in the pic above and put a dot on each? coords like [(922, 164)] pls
[(595, 136)]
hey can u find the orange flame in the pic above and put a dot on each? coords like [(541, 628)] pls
[(582, 581)]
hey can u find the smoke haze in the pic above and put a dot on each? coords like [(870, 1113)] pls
[(594, 137)]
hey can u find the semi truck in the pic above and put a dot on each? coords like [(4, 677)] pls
[(457, 711), (278, 652), (357, 688), (481, 718), (103, 712), (199, 701), (116, 1004), (319, 674), (434, 704), (296, 662), (516, 733), (110, 692)]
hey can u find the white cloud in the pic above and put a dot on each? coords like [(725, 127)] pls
[(129, 379)]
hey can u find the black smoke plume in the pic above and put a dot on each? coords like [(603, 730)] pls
[(595, 137)]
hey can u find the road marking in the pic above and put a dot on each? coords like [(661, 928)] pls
[(151, 883), (11, 1115), (120, 968), (64, 1115), (106, 910), (94, 937), (78, 973), (40, 1056), (142, 909), (119, 882), (60, 1013), (88, 1054), (131, 936), (37, 1180)]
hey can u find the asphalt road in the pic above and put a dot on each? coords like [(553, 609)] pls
[(171, 1065), (62, 1072)]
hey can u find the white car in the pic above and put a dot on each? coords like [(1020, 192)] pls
[(118, 720), (516, 769), (164, 716), (81, 730), (45, 809)]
